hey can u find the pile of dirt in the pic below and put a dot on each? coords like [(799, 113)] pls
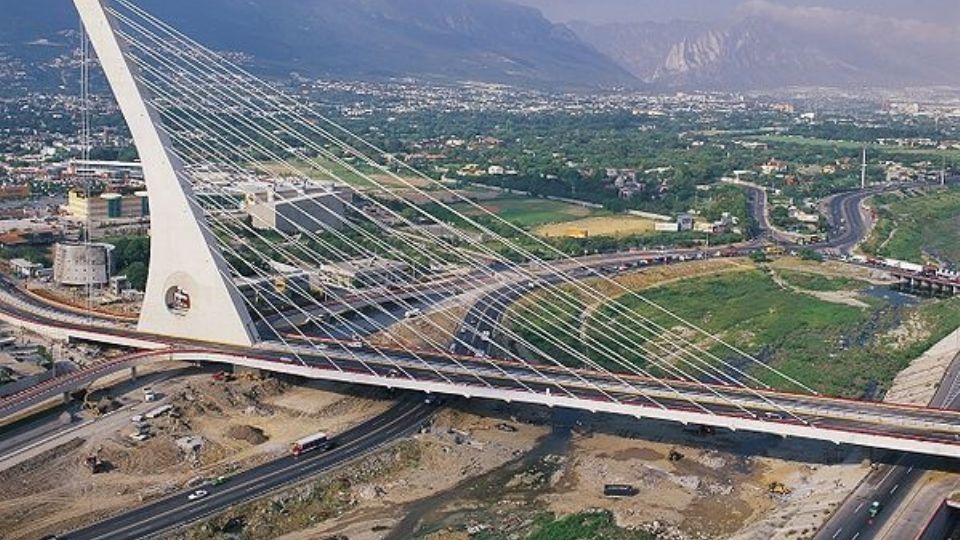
[(151, 457), (214, 398), (252, 435)]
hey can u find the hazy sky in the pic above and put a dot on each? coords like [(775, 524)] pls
[(939, 11)]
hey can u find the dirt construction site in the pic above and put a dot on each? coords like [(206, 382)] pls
[(121, 452), (478, 466), (498, 470)]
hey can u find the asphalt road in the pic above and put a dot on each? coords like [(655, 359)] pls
[(888, 483), (176, 510), (846, 220), (847, 225)]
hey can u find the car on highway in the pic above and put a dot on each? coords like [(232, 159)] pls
[(874, 509), (219, 480), (356, 344), (197, 495)]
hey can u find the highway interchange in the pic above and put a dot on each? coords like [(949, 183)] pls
[(845, 214)]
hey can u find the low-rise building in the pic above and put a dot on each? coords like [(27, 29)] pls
[(364, 273), (101, 208), (82, 264), (293, 209), (25, 269), (35, 236)]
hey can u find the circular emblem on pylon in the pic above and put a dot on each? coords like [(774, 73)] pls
[(178, 300)]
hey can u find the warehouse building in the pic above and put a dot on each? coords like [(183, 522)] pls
[(82, 264), (292, 208)]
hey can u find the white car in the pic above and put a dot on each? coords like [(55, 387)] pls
[(198, 494), (355, 344)]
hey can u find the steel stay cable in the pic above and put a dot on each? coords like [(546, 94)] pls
[(184, 39), (675, 352), (654, 377), (628, 383)]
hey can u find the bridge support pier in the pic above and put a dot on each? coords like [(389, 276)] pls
[(67, 398), (133, 373)]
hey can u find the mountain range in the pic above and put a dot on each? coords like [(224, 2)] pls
[(447, 40), (502, 42), (761, 52)]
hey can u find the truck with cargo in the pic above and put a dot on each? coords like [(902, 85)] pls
[(319, 442)]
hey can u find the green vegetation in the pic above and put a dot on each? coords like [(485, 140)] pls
[(34, 254), (808, 254), (132, 258), (818, 282), (834, 348), (918, 229), (598, 525), (889, 152)]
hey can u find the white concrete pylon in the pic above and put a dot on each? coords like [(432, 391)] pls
[(188, 294)]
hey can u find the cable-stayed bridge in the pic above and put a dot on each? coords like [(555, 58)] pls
[(228, 286)]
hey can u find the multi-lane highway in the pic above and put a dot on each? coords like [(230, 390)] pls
[(890, 481), (844, 213), (177, 509)]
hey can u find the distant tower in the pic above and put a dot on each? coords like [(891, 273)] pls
[(943, 171), (863, 169)]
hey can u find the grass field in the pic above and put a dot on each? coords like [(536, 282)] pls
[(834, 348), (598, 226), (919, 228), (530, 212), (816, 282)]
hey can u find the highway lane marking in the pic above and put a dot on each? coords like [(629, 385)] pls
[(894, 489), (857, 509), (46, 440), (237, 487), (298, 464), (856, 536), (889, 472), (247, 499), (836, 534), (835, 411)]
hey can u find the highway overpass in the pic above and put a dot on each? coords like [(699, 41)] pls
[(897, 427)]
